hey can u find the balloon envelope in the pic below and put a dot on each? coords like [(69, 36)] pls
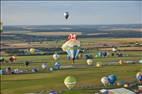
[(139, 76), (56, 56), (70, 82), (89, 61), (44, 66), (112, 78), (66, 15), (105, 80)]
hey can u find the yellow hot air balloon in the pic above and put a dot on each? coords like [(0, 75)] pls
[(32, 50), (70, 82)]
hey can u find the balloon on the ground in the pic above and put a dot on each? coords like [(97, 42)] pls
[(139, 76), (57, 65), (89, 61), (112, 79), (72, 47), (44, 66), (12, 58), (104, 81), (98, 65), (1, 59), (120, 62), (56, 56), (53, 92), (140, 61), (32, 50), (114, 49), (66, 15), (70, 82), (1, 71), (50, 69)]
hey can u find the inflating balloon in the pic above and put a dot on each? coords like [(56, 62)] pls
[(112, 78), (66, 15), (56, 56), (104, 81), (139, 76), (70, 82), (89, 61), (72, 47), (12, 58)]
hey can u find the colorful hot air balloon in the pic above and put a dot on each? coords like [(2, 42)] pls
[(139, 76), (66, 15), (89, 61), (56, 56), (104, 81), (72, 47), (112, 78), (70, 82)]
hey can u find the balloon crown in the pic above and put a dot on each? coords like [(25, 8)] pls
[(72, 36)]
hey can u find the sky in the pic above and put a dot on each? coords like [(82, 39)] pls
[(81, 12)]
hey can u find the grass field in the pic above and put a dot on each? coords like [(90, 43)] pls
[(86, 76)]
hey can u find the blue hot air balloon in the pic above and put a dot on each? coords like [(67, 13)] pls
[(53, 92), (112, 78), (57, 65)]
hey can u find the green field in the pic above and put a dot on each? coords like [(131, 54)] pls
[(88, 77)]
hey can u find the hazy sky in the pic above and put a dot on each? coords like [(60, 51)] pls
[(81, 12)]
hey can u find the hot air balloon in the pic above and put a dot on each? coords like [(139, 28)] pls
[(98, 64), (120, 62), (12, 58), (66, 15), (1, 59), (89, 61), (56, 56), (112, 78), (53, 92), (32, 50), (139, 76), (44, 66), (72, 47), (104, 81), (70, 82), (57, 65)]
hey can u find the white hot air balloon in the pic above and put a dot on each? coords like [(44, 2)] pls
[(104, 81), (44, 66), (89, 61), (56, 56)]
